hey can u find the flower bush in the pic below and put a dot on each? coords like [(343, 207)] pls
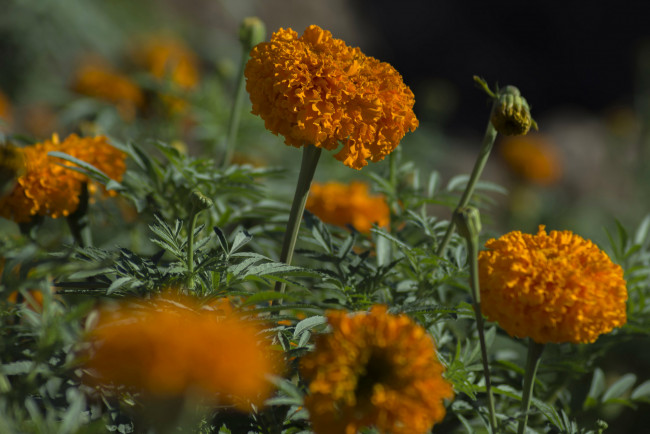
[(198, 300)]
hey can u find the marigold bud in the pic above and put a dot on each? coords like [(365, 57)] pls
[(200, 201), (511, 113), (252, 31)]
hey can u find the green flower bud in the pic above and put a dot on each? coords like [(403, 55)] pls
[(468, 222), (252, 31), (199, 201), (511, 113)]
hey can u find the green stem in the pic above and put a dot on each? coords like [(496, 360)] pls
[(310, 156), (532, 363), (472, 252), (190, 248), (78, 220), (235, 112), (488, 142)]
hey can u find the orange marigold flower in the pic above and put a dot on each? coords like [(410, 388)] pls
[(374, 369), (98, 80), (315, 90), (341, 204), (555, 287), (533, 158), (171, 347), (48, 188)]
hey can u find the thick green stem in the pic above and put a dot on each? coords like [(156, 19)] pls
[(310, 156), (78, 220), (472, 252), (532, 363), (235, 111), (468, 220), (486, 148)]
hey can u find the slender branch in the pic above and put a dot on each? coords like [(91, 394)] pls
[(532, 363)]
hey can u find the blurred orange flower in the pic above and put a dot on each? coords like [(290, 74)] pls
[(341, 204), (97, 79), (48, 188), (315, 90), (170, 347), (533, 158), (169, 59), (374, 369), (555, 287)]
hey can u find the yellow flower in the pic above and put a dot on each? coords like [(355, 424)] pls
[(533, 158), (555, 287), (48, 188), (374, 369), (98, 80), (171, 347), (315, 90), (341, 204)]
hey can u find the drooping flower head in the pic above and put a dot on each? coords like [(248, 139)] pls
[(315, 90), (46, 187), (170, 347), (343, 204), (97, 79), (533, 158), (374, 369), (555, 287)]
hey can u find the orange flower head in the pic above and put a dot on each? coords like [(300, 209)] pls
[(96, 79), (170, 59), (341, 204), (48, 188), (171, 347), (374, 369), (315, 90), (555, 287), (532, 158)]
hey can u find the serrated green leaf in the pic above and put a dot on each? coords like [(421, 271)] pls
[(241, 238), (308, 324), (117, 284), (642, 231), (221, 237)]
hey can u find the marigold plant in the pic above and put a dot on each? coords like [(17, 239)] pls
[(555, 287), (98, 80), (46, 187), (343, 204), (170, 347), (315, 90), (374, 369), (533, 158)]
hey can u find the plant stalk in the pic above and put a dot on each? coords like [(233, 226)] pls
[(532, 363), (484, 154), (235, 111), (310, 156)]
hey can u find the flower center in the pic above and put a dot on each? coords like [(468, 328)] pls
[(378, 370)]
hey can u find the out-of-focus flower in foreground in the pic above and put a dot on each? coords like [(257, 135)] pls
[(374, 369), (343, 204), (315, 90), (46, 187), (555, 287), (533, 158), (96, 79), (172, 347)]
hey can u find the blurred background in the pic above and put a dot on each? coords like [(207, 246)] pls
[(585, 70)]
